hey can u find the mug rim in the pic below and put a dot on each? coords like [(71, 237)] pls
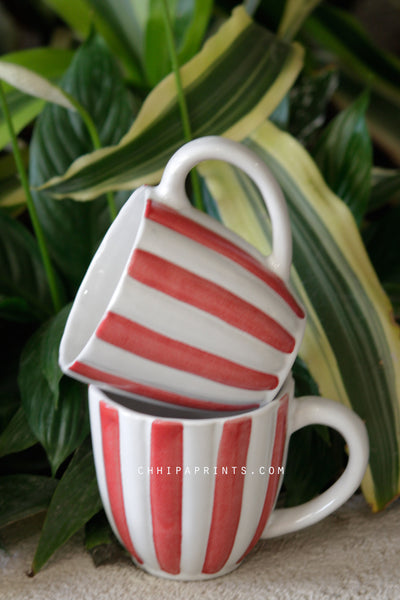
[(114, 400)]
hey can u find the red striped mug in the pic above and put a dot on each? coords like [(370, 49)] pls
[(177, 308), (189, 497)]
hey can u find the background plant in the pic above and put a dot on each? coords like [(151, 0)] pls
[(100, 116)]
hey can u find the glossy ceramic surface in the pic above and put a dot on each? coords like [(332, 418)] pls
[(189, 496), (176, 308)]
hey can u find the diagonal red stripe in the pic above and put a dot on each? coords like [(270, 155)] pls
[(166, 493), (112, 465), (273, 481), (183, 285), (164, 215), (149, 344), (228, 493), (146, 391)]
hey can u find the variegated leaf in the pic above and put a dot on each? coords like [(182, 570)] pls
[(351, 345), (231, 86)]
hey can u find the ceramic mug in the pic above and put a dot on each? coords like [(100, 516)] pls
[(189, 495), (176, 308)]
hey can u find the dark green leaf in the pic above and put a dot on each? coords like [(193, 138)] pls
[(308, 102), (393, 291), (98, 531), (13, 338), (280, 116), (342, 34), (24, 292), (189, 20), (23, 496), (17, 435), (383, 115), (383, 245), (313, 463), (344, 155), (385, 188), (231, 85), (56, 407), (74, 230), (101, 542), (75, 501)]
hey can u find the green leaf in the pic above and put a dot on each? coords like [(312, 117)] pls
[(344, 156), (17, 436), (98, 531), (363, 64), (47, 62), (296, 11), (23, 496), (115, 21), (55, 407), (189, 21), (236, 80), (313, 463), (309, 99), (73, 231), (351, 344), (101, 542), (12, 195), (382, 241), (24, 293), (383, 115), (339, 32), (31, 83), (13, 337), (385, 188), (74, 502)]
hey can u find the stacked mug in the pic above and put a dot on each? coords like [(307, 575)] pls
[(187, 336)]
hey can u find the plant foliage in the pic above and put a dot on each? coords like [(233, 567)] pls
[(102, 117)]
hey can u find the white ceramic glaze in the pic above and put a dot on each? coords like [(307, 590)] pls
[(189, 495), (176, 308)]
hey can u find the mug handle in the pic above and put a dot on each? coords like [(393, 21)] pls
[(171, 189), (311, 410)]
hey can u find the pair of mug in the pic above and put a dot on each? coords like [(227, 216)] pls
[(188, 335)]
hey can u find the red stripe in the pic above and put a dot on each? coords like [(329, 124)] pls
[(112, 465), (139, 389), (183, 285), (144, 342), (276, 462), (228, 493), (166, 493), (164, 215)]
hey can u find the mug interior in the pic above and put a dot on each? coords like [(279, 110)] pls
[(103, 277), (170, 412)]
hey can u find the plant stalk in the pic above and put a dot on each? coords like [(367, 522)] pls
[(94, 136), (51, 279), (187, 130)]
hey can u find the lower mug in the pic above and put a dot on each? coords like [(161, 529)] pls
[(189, 495)]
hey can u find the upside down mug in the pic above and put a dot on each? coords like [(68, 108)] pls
[(189, 495), (177, 308)]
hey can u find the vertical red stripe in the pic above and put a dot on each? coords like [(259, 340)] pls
[(228, 492), (112, 465), (166, 483), (276, 462), (164, 215)]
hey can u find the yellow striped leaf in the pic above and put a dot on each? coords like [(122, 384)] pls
[(352, 344), (231, 86)]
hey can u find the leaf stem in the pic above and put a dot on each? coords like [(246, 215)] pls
[(54, 289), (187, 130), (94, 136)]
